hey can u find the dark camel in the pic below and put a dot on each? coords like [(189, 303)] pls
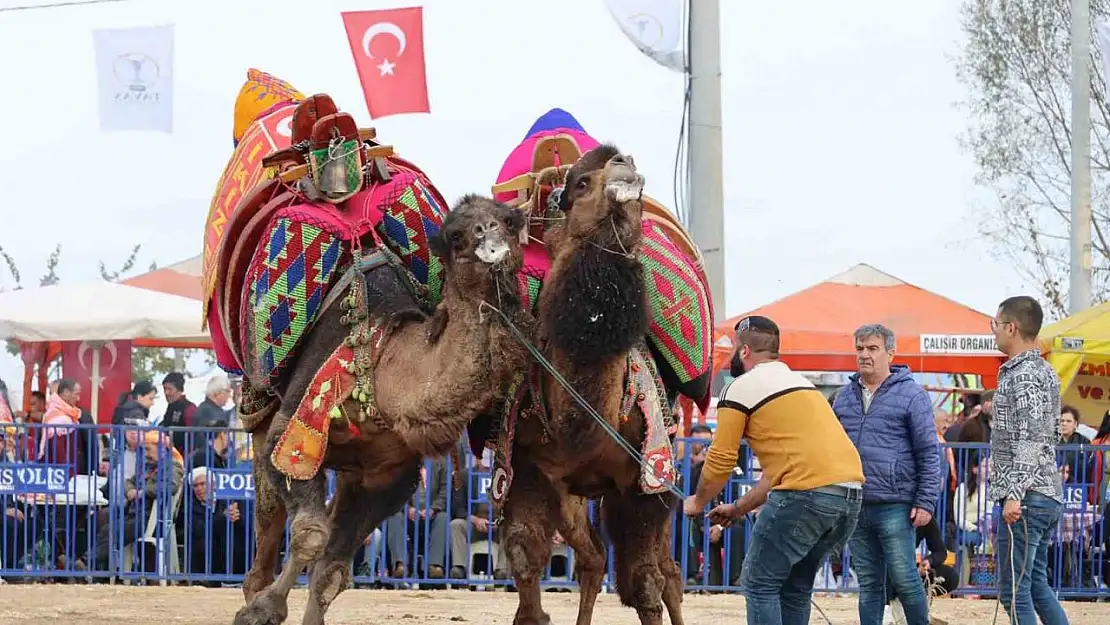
[(592, 311), (434, 375)]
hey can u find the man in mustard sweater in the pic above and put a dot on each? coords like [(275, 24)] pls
[(811, 484)]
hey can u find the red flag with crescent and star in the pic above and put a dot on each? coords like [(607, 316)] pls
[(111, 374), (388, 47)]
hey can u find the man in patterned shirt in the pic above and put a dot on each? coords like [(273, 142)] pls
[(1023, 475)]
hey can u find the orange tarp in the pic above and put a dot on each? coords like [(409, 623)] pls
[(817, 325), (181, 278), (184, 279)]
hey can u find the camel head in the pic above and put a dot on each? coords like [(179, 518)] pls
[(602, 200), (479, 245)]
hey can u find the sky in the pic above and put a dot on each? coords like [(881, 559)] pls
[(840, 128)]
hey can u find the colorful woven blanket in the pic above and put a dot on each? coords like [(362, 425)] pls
[(681, 315)]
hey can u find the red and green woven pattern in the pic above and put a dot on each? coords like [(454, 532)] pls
[(680, 317), (288, 281), (413, 214)]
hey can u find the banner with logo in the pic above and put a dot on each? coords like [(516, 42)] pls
[(33, 479), (654, 26), (134, 68)]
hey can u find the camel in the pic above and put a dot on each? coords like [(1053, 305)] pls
[(592, 314), (431, 377)]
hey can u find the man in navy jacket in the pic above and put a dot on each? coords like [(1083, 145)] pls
[(889, 417)]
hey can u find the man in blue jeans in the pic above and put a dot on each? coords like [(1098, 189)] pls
[(1023, 475), (811, 481), (890, 419)]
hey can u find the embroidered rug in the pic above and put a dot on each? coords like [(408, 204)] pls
[(300, 451), (289, 278), (644, 389), (681, 320)]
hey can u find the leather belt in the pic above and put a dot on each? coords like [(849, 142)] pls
[(851, 494)]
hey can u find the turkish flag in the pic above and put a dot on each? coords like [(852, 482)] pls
[(112, 379), (388, 47)]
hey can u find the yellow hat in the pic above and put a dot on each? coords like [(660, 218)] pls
[(261, 92)]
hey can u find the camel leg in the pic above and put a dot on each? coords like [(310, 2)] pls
[(673, 583), (636, 527), (354, 513), (589, 553), (304, 501), (531, 513), (269, 525)]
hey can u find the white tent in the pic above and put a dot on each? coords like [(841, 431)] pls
[(98, 311)]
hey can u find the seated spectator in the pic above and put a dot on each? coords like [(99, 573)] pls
[(427, 511), (214, 452), (12, 525), (472, 524), (179, 410), (59, 444), (1072, 464), (970, 507), (210, 413), (216, 530), (163, 474), (134, 406)]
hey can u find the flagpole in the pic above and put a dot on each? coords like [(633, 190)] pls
[(1079, 297), (706, 207)]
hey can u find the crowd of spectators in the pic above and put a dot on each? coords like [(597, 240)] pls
[(446, 530)]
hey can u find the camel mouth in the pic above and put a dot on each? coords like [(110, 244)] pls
[(492, 250), (622, 182)]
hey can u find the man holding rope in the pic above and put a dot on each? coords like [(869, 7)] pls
[(1023, 475), (811, 483)]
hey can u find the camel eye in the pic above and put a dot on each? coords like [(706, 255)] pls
[(582, 184)]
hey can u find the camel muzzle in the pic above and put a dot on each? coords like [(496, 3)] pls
[(492, 250), (622, 182)]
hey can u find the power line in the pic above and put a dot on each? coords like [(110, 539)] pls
[(56, 5)]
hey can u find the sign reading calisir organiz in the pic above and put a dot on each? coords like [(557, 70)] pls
[(968, 344), (28, 479)]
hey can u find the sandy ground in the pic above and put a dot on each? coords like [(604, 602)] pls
[(81, 605)]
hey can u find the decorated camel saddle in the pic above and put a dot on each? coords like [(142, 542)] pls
[(307, 202), (677, 353)]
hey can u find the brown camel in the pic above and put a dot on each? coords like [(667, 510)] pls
[(592, 313), (434, 374)]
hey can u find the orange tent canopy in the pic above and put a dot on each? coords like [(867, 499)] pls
[(182, 278), (933, 333)]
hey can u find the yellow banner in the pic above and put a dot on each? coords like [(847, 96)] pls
[(243, 171), (1087, 387)]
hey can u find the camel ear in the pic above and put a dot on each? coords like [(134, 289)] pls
[(513, 219), (438, 245)]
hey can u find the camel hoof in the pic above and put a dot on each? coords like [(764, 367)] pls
[(543, 619), (265, 609)]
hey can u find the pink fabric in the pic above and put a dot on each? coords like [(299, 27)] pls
[(58, 412), (520, 159)]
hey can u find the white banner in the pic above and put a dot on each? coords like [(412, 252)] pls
[(959, 344), (134, 68), (655, 26), (1102, 31)]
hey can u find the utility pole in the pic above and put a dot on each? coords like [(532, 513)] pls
[(706, 202), (1079, 297)]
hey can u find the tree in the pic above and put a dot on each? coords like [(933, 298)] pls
[(146, 362), (1016, 65)]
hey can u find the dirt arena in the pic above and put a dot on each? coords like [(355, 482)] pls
[(80, 605)]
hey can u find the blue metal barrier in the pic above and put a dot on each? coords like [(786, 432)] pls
[(74, 508)]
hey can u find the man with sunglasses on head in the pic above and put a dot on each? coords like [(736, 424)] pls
[(811, 481)]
